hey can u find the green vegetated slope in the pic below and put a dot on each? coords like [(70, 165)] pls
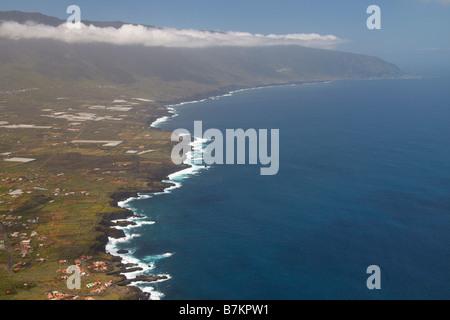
[(28, 63), (33, 62)]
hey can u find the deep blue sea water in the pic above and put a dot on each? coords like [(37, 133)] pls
[(364, 180)]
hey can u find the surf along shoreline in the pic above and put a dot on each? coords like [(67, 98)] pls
[(127, 219), (134, 271)]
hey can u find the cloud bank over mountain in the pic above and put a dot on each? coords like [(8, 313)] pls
[(161, 37)]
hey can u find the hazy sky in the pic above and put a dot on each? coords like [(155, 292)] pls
[(415, 33)]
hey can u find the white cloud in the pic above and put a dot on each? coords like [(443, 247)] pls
[(167, 37)]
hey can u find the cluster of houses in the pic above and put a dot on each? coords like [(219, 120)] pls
[(56, 192), (24, 244), (23, 185), (20, 265), (2, 243), (99, 266), (56, 295), (59, 192), (101, 287), (63, 270), (11, 220), (97, 286)]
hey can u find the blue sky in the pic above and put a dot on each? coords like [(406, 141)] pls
[(415, 33)]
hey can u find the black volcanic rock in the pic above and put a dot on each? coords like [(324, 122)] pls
[(141, 278)]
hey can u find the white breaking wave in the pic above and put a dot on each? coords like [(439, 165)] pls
[(176, 179), (147, 265), (164, 119)]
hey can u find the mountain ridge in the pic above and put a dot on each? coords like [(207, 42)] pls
[(37, 62), (37, 17)]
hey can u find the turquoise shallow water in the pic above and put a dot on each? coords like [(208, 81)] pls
[(364, 180)]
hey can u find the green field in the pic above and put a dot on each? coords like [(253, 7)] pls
[(67, 191)]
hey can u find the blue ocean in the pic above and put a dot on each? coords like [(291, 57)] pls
[(364, 180)]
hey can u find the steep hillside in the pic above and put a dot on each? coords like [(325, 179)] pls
[(36, 63)]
